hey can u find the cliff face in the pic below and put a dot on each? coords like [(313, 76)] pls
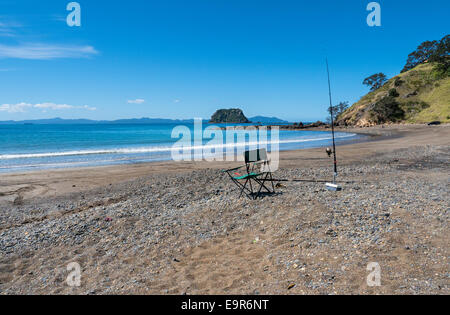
[(233, 115), (419, 95)]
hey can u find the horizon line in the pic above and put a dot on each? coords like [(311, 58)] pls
[(142, 118)]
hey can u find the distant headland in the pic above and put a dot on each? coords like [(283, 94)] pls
[(141, 121)]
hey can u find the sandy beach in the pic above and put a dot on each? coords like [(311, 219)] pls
[(180, 228)]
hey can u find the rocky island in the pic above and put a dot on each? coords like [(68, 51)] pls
[(229, 116)]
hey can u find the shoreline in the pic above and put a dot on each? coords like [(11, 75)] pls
[(284, 145), (19, 186), (340, 141)]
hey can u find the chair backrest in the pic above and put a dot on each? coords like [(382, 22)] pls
[(255, 156)]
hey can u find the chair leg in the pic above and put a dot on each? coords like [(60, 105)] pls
[(262, 183), (243, 188), (271, 180), (251, 187), (248, 191)]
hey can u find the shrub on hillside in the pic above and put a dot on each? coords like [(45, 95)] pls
[(442, 69), (412, 108), (387, 110), (398, 82), (393, 93)]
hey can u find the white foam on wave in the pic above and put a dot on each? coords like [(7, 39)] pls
[(163, 149)]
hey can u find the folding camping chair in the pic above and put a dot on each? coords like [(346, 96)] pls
[(256, 170)]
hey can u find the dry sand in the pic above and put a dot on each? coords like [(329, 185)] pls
[(173, 228)]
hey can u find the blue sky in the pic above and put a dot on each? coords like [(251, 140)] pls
[(185, 59)]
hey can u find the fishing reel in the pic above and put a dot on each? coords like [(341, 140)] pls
[(329, 152)]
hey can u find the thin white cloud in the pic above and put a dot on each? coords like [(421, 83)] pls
[(176, 101), (53, 106), (22, 107), (89, 108), (136, 101), (45, 51), (59, 18), (8, 29), (15, 108)]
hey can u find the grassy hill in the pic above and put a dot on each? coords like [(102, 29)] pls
[(419, 95)]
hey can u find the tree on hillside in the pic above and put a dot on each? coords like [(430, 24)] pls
[(435, 51), (422, 54), (442, 55), (442, 50), (375, 81), (337, 111)]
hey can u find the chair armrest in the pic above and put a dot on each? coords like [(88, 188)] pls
[(233, 169)]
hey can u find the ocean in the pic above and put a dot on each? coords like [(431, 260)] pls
[(35, 147)]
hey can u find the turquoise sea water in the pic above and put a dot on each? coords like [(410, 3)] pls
[(33, 147)]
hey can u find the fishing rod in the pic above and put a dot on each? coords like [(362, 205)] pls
[(305, 180), (332, 186)]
